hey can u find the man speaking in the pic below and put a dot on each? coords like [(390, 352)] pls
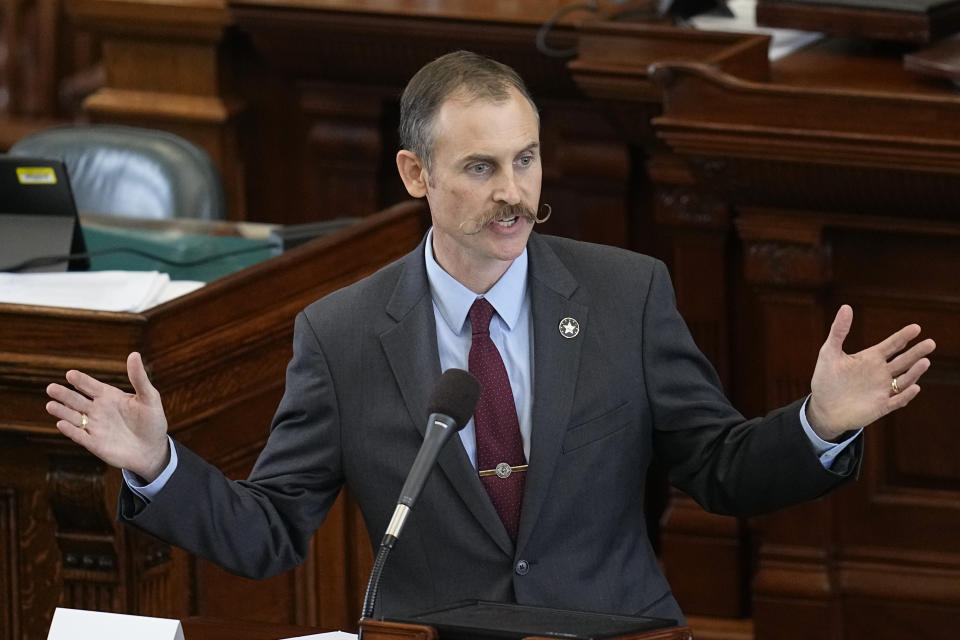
[(587, 373)]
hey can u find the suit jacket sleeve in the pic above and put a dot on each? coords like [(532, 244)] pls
[(260, 526), (726, 463)]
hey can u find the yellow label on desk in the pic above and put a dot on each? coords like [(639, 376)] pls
[(36, 175)]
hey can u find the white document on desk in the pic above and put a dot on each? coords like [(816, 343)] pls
[(79, 624), (125, 291)]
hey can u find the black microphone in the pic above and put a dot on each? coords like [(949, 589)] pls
[(451, 405)]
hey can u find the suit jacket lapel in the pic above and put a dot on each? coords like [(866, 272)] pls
[(556, 363), (413, 357)]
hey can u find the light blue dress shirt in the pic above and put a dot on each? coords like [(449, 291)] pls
[(511, 330)]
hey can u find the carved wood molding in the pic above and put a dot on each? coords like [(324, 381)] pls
[(737, 118), (85, 535), (163, 106), (690, 207), (795, 572), (842, 189), (880, 574), (931, 583), (153, 586), (912, 116), (212, 386), (613, 59), (34, 584), (787, 265), (785, 249), (186, 20), (824, 146)]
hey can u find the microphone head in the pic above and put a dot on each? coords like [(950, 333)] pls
[(455, 395)]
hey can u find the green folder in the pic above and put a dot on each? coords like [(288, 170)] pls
[(208, 257)]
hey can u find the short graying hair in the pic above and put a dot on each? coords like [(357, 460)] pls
[(479, 77)]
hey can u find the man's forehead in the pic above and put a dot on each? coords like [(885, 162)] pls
[(466, 122)]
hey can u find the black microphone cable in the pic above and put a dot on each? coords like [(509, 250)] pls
[(546, 27), (631, 11)]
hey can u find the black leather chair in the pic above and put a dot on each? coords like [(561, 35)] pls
[(130, 171)]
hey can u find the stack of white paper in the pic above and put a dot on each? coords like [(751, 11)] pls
[(129, 291)]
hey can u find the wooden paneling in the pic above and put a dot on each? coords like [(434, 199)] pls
[(9, 570), (837, 200)]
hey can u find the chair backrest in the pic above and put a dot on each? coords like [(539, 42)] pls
[(130, 171)]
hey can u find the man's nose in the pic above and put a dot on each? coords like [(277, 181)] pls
[(507, 190)]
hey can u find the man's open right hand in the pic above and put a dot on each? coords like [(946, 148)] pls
[(127, 430)]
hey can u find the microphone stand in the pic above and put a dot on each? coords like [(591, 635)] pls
[(389, 538), (451, 404)]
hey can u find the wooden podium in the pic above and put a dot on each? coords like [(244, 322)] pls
[(218, 357), (210, 629), (380, 630)]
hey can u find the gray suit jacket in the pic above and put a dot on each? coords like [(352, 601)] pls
[(631, 385)]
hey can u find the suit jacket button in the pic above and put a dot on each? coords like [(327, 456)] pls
[(522, 567)]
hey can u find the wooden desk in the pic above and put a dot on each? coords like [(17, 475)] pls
[(218, 357)]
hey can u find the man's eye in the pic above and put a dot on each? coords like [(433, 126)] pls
[(479, 168), (525, 161)]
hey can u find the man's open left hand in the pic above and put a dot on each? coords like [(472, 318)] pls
[(850, 391)]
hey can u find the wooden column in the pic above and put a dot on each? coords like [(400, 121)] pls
[(694, 228), (787, 266)]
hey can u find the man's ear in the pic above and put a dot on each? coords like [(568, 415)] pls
[(412, 172)]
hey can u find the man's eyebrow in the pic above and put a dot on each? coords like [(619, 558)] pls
[(480, 157), (530, 147)]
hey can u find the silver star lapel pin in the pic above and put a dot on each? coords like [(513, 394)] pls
[(569, 328)]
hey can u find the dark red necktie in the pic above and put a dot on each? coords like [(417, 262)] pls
[(499, 445)]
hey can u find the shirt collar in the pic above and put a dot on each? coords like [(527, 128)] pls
[(454, 300)]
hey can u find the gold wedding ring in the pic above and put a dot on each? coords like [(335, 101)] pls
[(895, 386), (83, 421)]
